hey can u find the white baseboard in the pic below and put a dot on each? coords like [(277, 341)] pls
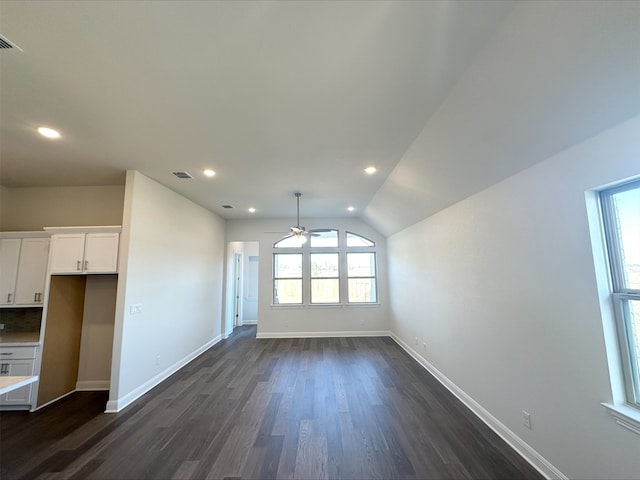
[(92, 385), (53, 401), (248, 322), (114, 406), (520, 446), (356, 333)]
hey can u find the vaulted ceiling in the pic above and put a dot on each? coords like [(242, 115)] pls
[(444, 98)]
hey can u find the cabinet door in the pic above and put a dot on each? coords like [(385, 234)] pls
[(67, 253), (9, 254), (32, 271), (19, 396), (101, 253)]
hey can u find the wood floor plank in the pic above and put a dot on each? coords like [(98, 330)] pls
[(313, 408)]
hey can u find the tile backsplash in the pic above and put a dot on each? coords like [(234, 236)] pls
[(20, 319)]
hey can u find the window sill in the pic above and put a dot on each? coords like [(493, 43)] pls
[(325, 305), (625, 416)]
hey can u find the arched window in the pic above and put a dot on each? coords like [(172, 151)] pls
[(328, 269)]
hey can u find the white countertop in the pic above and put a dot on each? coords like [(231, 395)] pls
[(10, 383)]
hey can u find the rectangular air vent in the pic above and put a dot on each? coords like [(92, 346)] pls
[(182, 174), (5, 43)]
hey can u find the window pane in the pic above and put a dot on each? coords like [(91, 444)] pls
[(362, 290), (627, 206), (325, 290), (361, 264), (354, 240), (324, 265), (632, 320), (326, 238), (287, 265), (287, 291), (288, 242)]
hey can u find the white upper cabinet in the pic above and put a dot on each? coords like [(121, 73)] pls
[(9, 257), (94, 250), (32, 271), (23, 268), (101, 252)]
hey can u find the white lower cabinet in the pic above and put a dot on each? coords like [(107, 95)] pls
[(17, 361)]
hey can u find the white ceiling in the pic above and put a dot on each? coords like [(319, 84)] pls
[(445, 98)]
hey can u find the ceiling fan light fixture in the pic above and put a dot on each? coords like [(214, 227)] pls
[(370, 170), (48, 132), (252, 210), (208, 172), (351, 208)]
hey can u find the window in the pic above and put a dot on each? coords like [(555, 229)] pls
[(621, 215), (287, 278), (329, 269), (362, 277), (325, 278)]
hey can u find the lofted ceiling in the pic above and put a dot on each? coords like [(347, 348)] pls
[(443, 97)]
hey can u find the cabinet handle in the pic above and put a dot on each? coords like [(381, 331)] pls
[(9, 297), (86, 264), (35, 297), (6, 353), (4, 369), (78, 265)]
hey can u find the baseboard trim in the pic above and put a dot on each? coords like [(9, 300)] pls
[(536, 460), (92, 385), (355, 333), (115, 406), (248, 322), (53, 401)]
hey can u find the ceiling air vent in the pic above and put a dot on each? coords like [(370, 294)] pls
[(182, 174), (5, 43), (227, 206)]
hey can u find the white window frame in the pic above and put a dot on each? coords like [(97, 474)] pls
[(306, 250), (287, 251), (621, 295)]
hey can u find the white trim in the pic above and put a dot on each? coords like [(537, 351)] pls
[(87, 229), (114, 406), (248, 322), (92, 385), (227, 334), (53, 401), (24, 235), (625, 416), (360, 333), (516, 443)]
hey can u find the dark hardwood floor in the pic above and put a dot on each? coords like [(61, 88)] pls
[(356, 408)]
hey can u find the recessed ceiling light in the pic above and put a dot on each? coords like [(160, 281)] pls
[(252, 210), (370, 170), (208, 172), (48, 132), (351, 208)]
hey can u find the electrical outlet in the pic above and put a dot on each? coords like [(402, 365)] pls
[(1, 326), (526, 419)]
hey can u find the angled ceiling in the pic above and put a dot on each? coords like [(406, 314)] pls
[(445, 98)]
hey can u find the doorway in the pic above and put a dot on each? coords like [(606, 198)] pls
[(241, 285)]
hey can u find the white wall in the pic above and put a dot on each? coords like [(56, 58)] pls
[(502, 289), (94, 372), (24, 209), (171, 263), (281, 321)]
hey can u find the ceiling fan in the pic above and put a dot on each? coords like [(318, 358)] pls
[(299, 232)]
